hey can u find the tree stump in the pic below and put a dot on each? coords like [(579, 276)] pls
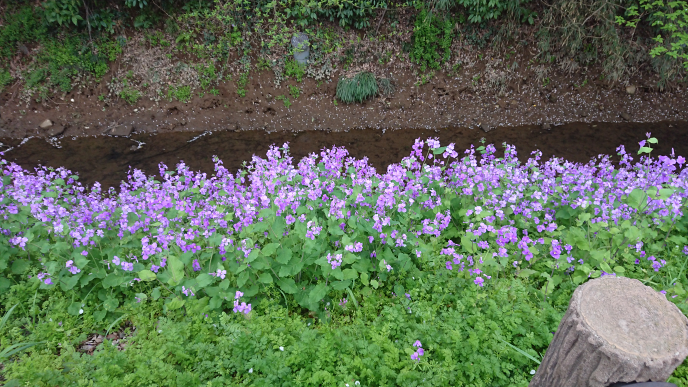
[(615, 330)]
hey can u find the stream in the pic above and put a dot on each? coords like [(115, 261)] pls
[(107, 159)]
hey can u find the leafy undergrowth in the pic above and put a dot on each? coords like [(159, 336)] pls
[(444, 270)]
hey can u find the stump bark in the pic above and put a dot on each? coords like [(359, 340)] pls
[(615, 330)]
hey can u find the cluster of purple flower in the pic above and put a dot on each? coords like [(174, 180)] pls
[(334, 260), (243, 307), (158, 218), (419, 352)]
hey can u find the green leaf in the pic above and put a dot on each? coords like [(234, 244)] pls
[(176, 269), (374, 284), (175, 303), (287, 285), (265, 278), (619, 270), (68, 282), (112, 280), (284, 255), (636, 198), (269, 249), (318, 293), (243, 277), (146, 275), (132, 218), (468, 244), (525, 273), (350, 274), (278, 227), (341, 285), (364, 278), (156, 293), (605, 266), (204, 280), (252, 256), (74, 308), (19, 266), (141, 297), (111, 304)]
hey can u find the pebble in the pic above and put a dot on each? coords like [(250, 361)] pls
[(546, 127), (46, 124), (625, 116), (630, 89)]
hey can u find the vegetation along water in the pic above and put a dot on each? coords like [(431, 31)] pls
[(425, 257)]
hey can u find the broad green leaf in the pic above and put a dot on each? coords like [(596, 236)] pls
[(175, 303), (74, 308), (156, 293), (204, 280), (620, 270), (374, 284), (284, 255), (146, 275), (176, 269), (19, 266), (350, 274), (269, 249), (265, 278), (69, 281), (243, 277), (111, 304), (287, 285), (318, 293), (525, 273), (252, 256), (132, 218), (364, 278), (340, 285)]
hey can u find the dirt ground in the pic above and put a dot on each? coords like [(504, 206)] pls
[(472, 98)]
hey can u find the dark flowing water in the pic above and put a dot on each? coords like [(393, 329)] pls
[(107, 159)]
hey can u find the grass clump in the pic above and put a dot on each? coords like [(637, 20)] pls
[(180, 93), (358, 88)]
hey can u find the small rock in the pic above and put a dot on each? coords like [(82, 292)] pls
[(552, 98), (46, 124), (113, 336), (625, 116), (55, 131), (122, 130), (584, 114), (88, 348), (630, 89), (485, 127), (98, 339), (502, 104), (24, 50), (600, 107), (546, 127)]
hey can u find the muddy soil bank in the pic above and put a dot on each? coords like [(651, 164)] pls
[(108, 159), (445, 101)]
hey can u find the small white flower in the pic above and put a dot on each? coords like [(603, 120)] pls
[(347, 385), (250, 371), (72, 99), (159, 330), (281, 348), (532, 372), (81, 311), (357, 383)]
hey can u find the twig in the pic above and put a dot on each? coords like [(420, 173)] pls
[(381, 19)]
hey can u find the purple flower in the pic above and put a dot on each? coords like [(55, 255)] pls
[(48, 281), (417, 344), (196, 265), (420, 351), (84, 253), (483, 244), (335, 261), (115, 260), (448, 265), (155, 268), (414, 356), (479, 281)]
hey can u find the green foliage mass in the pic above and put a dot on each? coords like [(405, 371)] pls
[(432, 39), (462, 328), (358, 88)]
